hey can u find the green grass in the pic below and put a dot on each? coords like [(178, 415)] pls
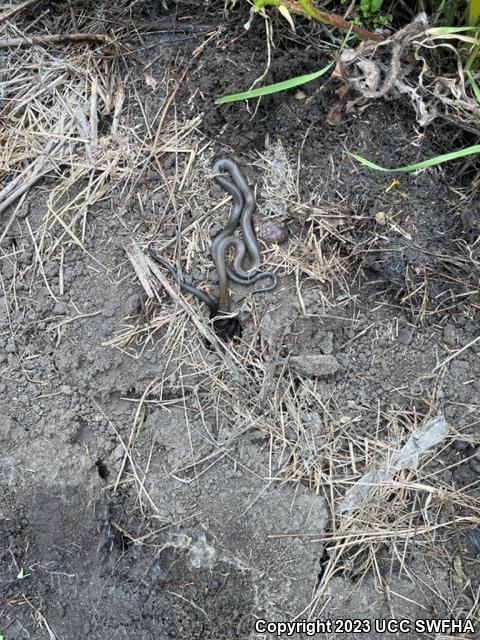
[(22, 574), (474, 85), (473, 12), (424, 164), (273, 88)]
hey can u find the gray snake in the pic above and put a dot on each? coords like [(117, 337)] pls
[(241, 214), (243, 207)]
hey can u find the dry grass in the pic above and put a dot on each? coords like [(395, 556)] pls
[(307, 437), (52, 108)]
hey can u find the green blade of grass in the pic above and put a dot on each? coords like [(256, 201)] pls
[(431, 162), (439, 31), (475, 87), (473, 12), (454, 33), (273, 88)]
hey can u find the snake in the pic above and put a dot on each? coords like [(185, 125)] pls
[(243, 207), (198, 293), (224, 325)]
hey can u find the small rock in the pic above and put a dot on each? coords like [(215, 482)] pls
[(3, 311), (118, 452), (380, 218), (51, 269), (271, 231), (404, 335), (459, 368), (290, 433), (60, 308), (8, 269), (326, 344), (10, 346), (318, 365), (475, 465), (6, 427), (133, 304), (449, 335), (472, 541), (109, 309)]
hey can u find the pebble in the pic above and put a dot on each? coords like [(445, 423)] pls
[(109, 309), (475, 466), (6, 426), (10, 346), (69, 275), (404, 335), (3, 311), (118, 452), (60, 308), (449, 335), (472, 541), (318, 365), (8, 269), (133, 304), (326, 343), (51, 269), (271, 231)]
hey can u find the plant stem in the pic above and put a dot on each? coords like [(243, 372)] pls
[(473, 13), (306, 8)]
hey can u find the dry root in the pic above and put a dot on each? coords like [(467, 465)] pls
[(378, 70)]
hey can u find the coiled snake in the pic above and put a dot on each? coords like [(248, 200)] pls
[(245, 248)]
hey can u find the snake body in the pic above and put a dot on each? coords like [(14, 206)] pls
[(198, 293), (241, 193), (246, 249), (248, 206), (225, 325)]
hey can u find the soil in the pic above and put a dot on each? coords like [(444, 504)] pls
[(228, 514)]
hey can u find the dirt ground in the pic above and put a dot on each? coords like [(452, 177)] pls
[(157, 484)]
